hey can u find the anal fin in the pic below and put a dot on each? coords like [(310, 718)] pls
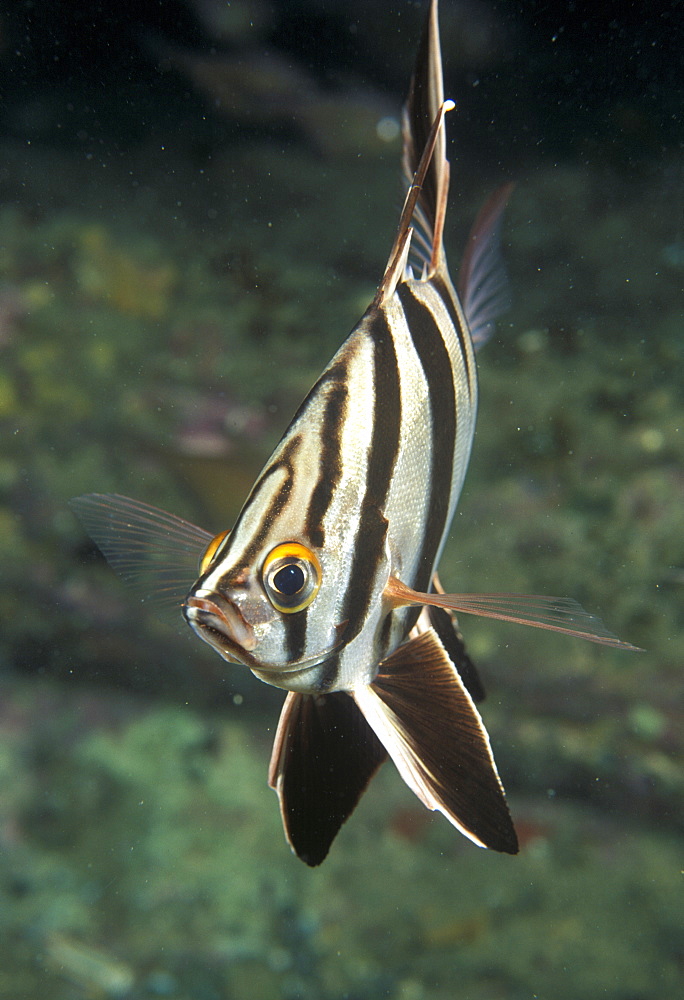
[(324, 755), (445, 625), (422, 712)]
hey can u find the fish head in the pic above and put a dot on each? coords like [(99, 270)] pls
[(256, 612)]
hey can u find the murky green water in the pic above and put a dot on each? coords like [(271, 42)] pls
[(173, 276)]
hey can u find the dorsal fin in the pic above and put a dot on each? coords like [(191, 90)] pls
[(396, 265), (425, 98)]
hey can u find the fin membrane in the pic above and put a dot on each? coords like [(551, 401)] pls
[(482, 282), (324, 755), (156, 553), (422, 712), (445, 625), (557, 614), (425, 98)]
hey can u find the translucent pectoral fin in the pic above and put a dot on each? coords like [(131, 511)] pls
[(422, 712), (156, 553), (482, 283), (557, 614)]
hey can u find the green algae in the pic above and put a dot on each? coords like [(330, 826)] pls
[(152, 835)]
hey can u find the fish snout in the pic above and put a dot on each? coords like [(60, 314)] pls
[(220, 623)]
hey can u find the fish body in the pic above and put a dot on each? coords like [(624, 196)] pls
[(366, 479), (326, 586), (367, 476)]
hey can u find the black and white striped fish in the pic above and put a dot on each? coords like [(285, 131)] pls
[(326, 584)]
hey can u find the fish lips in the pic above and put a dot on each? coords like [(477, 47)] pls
[(221, 623)]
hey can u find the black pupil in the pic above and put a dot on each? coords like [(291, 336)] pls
[(289, 580)]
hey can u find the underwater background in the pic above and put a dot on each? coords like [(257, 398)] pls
[(197, 200)]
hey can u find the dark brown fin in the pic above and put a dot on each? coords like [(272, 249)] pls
[(422, 712), (426, 96), (324, 755), (557, 614), (445, 625)]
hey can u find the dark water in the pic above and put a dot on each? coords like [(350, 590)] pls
[(195, 207)]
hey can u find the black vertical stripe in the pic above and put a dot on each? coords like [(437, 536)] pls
[(463, 334), (275, 507), (328, 673), (435, 359), (295, 635), (329, 475), (330, 461), (386, 434), (382, 458)]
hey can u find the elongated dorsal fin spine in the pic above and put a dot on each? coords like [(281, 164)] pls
[(399, 253), (425, 98)]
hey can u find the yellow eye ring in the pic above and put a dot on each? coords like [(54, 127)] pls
[(210, 551), (291, 576)]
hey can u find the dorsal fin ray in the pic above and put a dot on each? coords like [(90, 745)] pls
[(425, 98), (396, 264)]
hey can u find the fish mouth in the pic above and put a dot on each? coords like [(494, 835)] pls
[(222, 625)]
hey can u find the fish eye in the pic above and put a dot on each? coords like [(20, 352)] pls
[(210, 551), (291, 575)]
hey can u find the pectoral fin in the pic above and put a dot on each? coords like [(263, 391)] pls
[(324, 755), (156, 553), (557, 614), (422, 712)]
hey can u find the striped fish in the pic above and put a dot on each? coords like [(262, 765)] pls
[(326, 585)]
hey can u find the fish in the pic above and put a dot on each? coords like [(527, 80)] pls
[(326, 586)]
